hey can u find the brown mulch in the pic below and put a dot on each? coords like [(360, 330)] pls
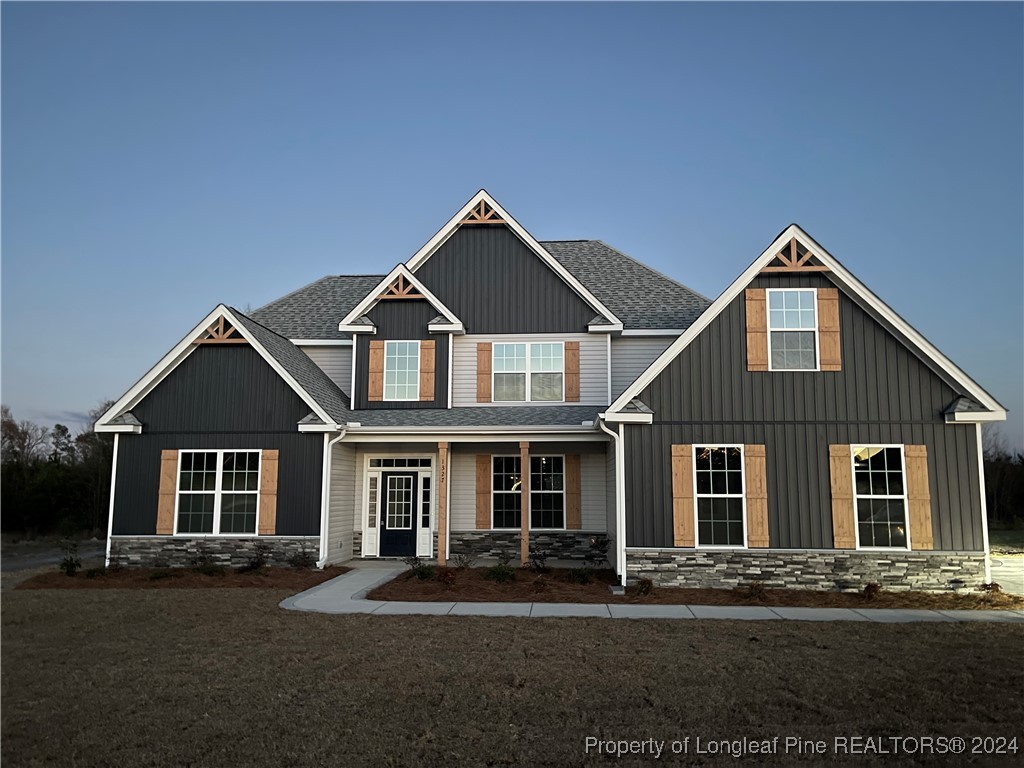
[(472, 586), (297, 579)]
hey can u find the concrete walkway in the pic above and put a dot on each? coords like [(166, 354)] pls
[(347, 594)]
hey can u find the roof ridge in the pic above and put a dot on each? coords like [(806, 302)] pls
[(261, 325), (651, 269), (292, 293)]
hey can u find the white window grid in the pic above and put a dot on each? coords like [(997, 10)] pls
[(742, 495), (218, 491), (400, 502), (802, 327), (857, 496), (526, 509), (401, 371), (373, 466), (549, 358)]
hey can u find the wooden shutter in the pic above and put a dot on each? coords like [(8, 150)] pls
[(757, 330), (168, 490), (757, 495), (483, 492), (844, 534), (682, 496), (919, 497), (268, 493), (828, 329), (573, 500), (572, 371), (375, 390), (428, 355), (483, 372)]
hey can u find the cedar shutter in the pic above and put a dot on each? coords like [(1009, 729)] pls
[(757, 330), (268, 493), (844, 535), (573, 500), (828, 330), (375, 390), (682, 496), (918, 497), (572, 371), (168, 490), (757, 495), (483, 492), (483, 373), (428, 355)]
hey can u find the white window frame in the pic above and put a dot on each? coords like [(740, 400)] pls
[(218, 490), (527, 372), (528, 508), (532, 491), (857, 497), (522, 511), (817, 335), (370, 544), (697, 496), (419, 360)]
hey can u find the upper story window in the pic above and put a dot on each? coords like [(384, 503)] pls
[(218, 491), (880, 496), (529, 372), (792, 329), (401, 370)]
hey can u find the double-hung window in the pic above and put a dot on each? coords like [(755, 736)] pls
[(218, 491), (718, 473), (880, 494), (792, 329), (401, 370), (547, 492), (529, 372)]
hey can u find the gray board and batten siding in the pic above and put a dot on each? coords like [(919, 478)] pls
[(402, 320), (494, 283), (220, 397), (883, 394)]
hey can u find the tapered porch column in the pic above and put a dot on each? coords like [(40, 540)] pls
[(442, 503), (524, 483)]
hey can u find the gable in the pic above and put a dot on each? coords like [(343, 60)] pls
[(496, 284)]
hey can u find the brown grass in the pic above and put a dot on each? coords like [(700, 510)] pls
[(471, 585), (295, 579), (226, 678)]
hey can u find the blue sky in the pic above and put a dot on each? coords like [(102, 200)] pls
[(161, 158)]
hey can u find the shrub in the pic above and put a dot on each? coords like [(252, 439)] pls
[(259, 558), (419, 569), (992, 588), (540, 584), (70, 564), (644, 586), (872, 590), (580, 575), (501, 573), (597, 555), (94, 573), (538, 558), (755, 591), (503, 557), (463, 561), (445, 575), (304, 559)]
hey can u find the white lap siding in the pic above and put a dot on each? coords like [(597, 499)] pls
[(342, 512), (335, 361), (609, 461)]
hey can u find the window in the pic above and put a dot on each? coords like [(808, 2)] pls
[(720, 504), (880, 496), (793, 330), (218, 491), (399, 463), (528, 372), (547, 492), (401, 370)]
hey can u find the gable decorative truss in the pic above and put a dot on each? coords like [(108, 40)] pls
[(222, 332), (795, 258), (484, 209), (400, 283), (992, 410)]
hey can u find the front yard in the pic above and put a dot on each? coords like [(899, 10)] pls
[(225, 678)]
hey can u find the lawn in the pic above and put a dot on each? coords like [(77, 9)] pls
[(226, 678), (1006, 540)]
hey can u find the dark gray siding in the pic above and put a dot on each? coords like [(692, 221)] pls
[(884, 394), (494, 283), (221, 396), (404, 320)]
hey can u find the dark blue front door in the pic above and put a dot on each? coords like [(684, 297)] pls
[(398, 514)]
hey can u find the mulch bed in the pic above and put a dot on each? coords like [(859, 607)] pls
[(471, 585), (296, 579)]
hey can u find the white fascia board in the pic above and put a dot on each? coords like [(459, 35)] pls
[(628, 418), (475, 437), (446, 328), (319, 428), (652, 332), (852, 284), (431, 246), (118, 429), (321, 342), (373, 297), (357, 328), (604, 328), (976, 417)]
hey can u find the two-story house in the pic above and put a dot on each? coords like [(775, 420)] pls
[(493, 391)]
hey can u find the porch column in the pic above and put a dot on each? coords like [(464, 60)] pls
[(524, 483), (442, 503)]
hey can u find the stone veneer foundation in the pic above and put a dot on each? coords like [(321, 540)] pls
[(559, 545), (182, 552), (804, 569)]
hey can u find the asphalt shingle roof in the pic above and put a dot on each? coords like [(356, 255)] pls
[(498, 416), (314, 311)]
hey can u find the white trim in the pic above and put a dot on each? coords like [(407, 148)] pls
[(653, 331), (116, 429), (817, 337), (357, 328), (856, 497), (448, 502), (435, 434), (697, 496), (325, 498), (446, 328), (369, 473), (218, 491), (451, 375), (384, 384), (110, 514), (352, 389), (627, 418), (318, 427), (431, 246), (604, 327), (322, 342), (975, 417), (853, 285), (608, 365), (529, 521), (527, 372), (984, 508), (371, 299)]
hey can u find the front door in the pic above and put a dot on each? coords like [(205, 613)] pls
[(398, 514)]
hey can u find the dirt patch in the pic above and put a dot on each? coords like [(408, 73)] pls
[(471, 585), (184, 578)]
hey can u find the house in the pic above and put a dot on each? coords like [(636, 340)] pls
[(493, 392)]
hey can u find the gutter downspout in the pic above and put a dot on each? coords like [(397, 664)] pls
[(326, 496), (110, 514), (984, 506), (620, 499)]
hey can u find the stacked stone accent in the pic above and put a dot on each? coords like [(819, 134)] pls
[(805, 569), (182, 552), (559, 545)]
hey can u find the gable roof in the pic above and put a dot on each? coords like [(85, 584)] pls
[(475, 202), (850, 283), (313, 311), (642, 297), (353, 322)]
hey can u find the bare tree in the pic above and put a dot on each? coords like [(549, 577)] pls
[(23, 441)]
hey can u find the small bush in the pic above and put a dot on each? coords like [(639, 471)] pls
[(538, 558), (446, 576), (503, 557), (157, 575), (501, 573), (644, 586), (259, 558), (540, 584), (872, 590), (95, 573), (991, 588), (303, 559), (419, 569), (755, 591), (464, 561), (580, 575), (597, 555), (70, 564)]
